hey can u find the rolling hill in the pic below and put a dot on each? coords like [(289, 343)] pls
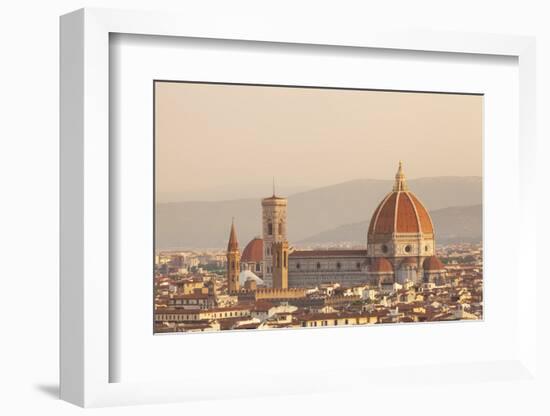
[(454, 224), (205, 224)]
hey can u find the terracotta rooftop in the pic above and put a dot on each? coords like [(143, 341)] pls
[(410, 260), (433, 263), (261, 306), (182, 311), (333, 315), (193, 296), (252, 325), (254, 251), (380, 265)]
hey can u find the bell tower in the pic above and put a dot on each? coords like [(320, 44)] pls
[(280, 265), (233, 261), (273, 230)]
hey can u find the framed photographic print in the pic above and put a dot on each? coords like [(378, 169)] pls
[(301, 213), (342, 248)]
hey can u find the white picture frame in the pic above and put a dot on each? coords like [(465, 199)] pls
[(86, 355)]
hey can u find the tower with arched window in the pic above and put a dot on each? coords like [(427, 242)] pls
[(280, 265), (273, 230)]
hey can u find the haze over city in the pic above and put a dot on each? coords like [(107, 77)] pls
[(219, 142), (375, 217)]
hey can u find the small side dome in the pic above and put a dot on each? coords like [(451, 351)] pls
[(380, 265), (410, 262), (433, 263), (254, 251)]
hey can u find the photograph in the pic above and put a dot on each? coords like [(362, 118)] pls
[(281, 206), (263, 208)]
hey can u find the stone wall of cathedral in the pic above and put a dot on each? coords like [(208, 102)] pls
[(313, 271)]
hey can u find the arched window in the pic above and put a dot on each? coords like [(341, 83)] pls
[(281, 228), (269, 228), (318, 266), (338, 266)]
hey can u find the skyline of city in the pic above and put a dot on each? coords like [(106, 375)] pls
[(399, 276), (463, 199), (282, 207)]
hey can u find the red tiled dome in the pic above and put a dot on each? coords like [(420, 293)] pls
[(432, 263), (380, 265), (254, 251), (400, 212), (410, 260)]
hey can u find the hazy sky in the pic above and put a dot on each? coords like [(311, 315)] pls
[(213, 136)]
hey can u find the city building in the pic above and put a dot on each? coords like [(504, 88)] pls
[(401, 239), (400, 248), (274, 219)]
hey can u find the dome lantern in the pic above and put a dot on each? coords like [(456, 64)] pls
[(400, 181)]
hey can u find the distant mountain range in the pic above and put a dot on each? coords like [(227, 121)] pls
[(455, 224), (225, 192), (329, 214)]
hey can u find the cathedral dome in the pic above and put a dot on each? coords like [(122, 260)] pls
[(380, 265), (253, 252), (433, 263), (400, 212)]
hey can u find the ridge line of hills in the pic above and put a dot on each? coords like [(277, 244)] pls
[(323, 213), (459, 224)]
